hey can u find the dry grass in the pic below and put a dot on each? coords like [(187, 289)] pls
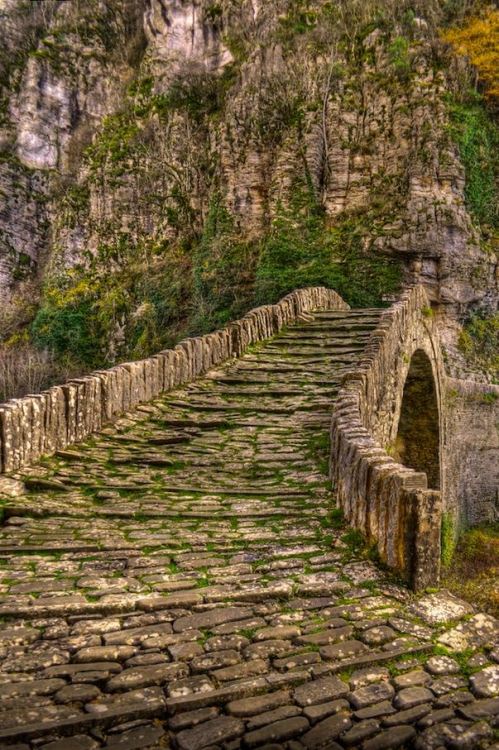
[(474, 571), (25, 369)]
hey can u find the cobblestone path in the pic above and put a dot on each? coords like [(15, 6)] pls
[(183, 580)]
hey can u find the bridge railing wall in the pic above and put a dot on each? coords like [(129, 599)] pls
[(388, 502), (41, 424)]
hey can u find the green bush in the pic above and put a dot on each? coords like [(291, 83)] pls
[(300, 250), (67, 327), (398, 52), (222, 271)]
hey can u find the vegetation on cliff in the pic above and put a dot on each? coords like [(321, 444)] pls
[(313, 154)]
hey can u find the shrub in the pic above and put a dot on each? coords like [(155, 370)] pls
[(398, 52), (66, 324), (222, 271), (25, 369), (300, 250)]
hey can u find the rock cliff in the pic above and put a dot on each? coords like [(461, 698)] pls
[(164, 163)]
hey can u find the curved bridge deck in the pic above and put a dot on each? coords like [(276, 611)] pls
[(183, 580)]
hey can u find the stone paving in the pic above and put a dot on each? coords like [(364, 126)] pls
[(183, 580)]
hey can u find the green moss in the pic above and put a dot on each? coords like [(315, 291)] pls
[(353, 539), (448, 538)]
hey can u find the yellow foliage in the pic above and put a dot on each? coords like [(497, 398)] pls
[(63, 298), (478, 40)]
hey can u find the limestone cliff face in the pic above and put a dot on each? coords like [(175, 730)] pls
[(125, 120)]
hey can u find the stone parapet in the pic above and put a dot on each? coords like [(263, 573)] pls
[(387, 501), (41, 424)]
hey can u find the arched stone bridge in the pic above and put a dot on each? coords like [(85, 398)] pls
[(173, 567)]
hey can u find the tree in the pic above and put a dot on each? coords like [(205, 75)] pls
[(478, 40)]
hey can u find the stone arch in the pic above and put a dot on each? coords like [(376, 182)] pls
[(418, 441)]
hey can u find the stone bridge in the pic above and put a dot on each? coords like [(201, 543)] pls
[(173, 566)]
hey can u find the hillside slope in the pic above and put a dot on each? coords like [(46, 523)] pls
[(166, 164)]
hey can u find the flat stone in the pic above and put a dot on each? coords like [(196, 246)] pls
[(70, 670), (77, 694), (343, 650), (326, 731), (259, 703), (279, 731), (138, 677), (266, 649), (211, 618), (21, 636), (412, 696), (212, 732), (359, 732), (33, 687), (145, 698), (189, 685), (185, 651), (435, 717), (391, 738), (42, 715), (325, 637), (224, 642), (440, 608), (135, 739), (371, 694), (77, 742), (104, 653), (235, 691), (241, 670), (458, 737), (192, 718), (377, 636), (412, 679), (270, 717), (215, 660), (410, 716), (447, 684), (179, 599), (485, 684), (320, 691), (373, 712), (322, 710), (456, 698), (480, 709), (479, 631), (136, 636), (284, 632), (297, 661), (442, 665), (362, 677)]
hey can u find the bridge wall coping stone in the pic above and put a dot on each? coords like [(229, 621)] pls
[(40, 424)]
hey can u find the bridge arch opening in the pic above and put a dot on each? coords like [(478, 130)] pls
[(418, 438)]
